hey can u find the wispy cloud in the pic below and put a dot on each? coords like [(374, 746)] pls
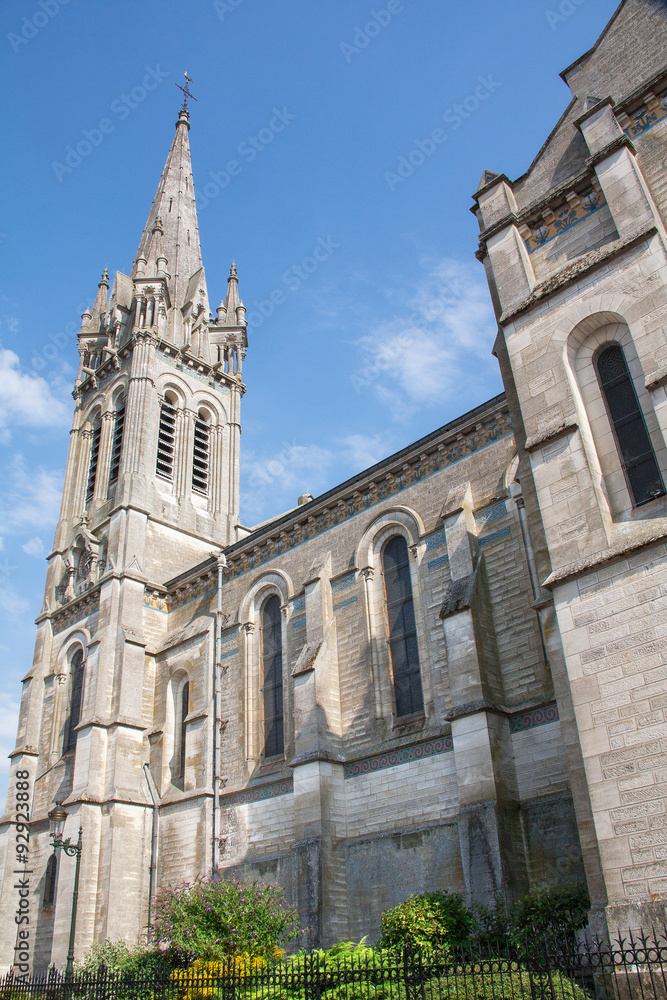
[(9, 711), (438, 335), (281, 477), (364, 450), (30, 500), (34, 547), (28, 400)]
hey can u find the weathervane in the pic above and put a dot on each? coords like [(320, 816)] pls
[(186, 91)]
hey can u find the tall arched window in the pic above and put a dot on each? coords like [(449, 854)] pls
[(166, 441), (180, 733), (94, 460), (272, 678), (117, 443), (50, 882), (200, 458), (76, 670), (625, 415), (402, 629)]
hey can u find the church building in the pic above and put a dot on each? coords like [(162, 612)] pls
[(448, 672)]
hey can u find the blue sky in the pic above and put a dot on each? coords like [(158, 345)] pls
[(327, 108)]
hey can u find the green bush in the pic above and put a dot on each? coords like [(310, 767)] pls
[(559, 910), (435, 920), (211, 919), (118, 958)]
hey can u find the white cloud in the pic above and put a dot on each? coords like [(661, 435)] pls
[(282, 477), (30, 499), (9, 712), (442, 334), (34, 547), (28, 400), (364, 450)]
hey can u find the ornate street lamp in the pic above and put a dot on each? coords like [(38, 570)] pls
[(57, 819)]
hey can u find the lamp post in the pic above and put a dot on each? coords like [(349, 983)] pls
[(57, 819)]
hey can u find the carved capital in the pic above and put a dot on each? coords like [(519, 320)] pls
[(368, 572), (249, 628)]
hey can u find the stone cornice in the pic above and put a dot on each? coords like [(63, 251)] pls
[(646, 533), (656, 378), (549, 434)]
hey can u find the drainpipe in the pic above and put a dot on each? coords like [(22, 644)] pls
[(532, 566), (152, 883), (215, 854)]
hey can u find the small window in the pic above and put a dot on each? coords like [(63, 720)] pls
[(166, 441), (272, 678), (75, 700), (50, 882), (402, 629), (183, 707), (94, 460), (117, 445), (632, 439), (200, 458)]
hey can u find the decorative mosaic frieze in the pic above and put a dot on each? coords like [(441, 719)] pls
[(299, 603), (536, 717), (434, 563), (231, 635), (77, 613), (485, 539), (156, 602), (298, 622), (380, 761), (642, 119), (481, 437), (344, 604), (565, 218), (491, 513), (259, 794), (436, 540), (226, 656), (343, 582)]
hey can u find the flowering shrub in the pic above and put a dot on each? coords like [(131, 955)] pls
[(210, 919), (434, 920)]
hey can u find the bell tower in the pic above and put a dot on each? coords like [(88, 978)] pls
[(151, 489)]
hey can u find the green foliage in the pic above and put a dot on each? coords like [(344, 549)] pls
[(118, 958), (435, 920), (213, 918), (560, 910)]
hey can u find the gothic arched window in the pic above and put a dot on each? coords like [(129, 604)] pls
[(625, 415), (166, 441), (272, 678), (117, 443), (200, 458), (402, 628), (180, 734), (94, 460), (50, 882), (76, 671)]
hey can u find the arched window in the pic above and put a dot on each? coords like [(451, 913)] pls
[(76, 670), (94, 460), (625, 415), (200, 458), (117, 444), (272, 678), (402, 629), (50, 882), (180, 733), (166, 441)]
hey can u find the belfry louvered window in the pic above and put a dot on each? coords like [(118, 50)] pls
[(166, 441), (76, 672), (117, 445), (402, 628), (272, 678), (94, 461), (632, 439), (200, 458)]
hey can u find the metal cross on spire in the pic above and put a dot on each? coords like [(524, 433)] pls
[(186, 91)]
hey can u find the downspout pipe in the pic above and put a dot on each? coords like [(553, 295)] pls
[(215, 853), (152, 883)]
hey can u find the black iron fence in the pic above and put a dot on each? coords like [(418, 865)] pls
[(631, 966)]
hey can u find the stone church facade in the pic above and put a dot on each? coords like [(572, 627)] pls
[(447, 672)]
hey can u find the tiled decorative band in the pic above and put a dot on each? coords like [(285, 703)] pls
[(380, 761), (438, 562), (485, 539), (298, 622), (343, 604), (643, 119), (299, 603), (76, 614), (564, 218), (537, 717), (491, 513), (232, 652), (433, 541), (230, 635), (249, 795), (343, 582)]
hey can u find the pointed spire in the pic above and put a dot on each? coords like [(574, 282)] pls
[(175, 208), (228, 312), (100, 306)]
